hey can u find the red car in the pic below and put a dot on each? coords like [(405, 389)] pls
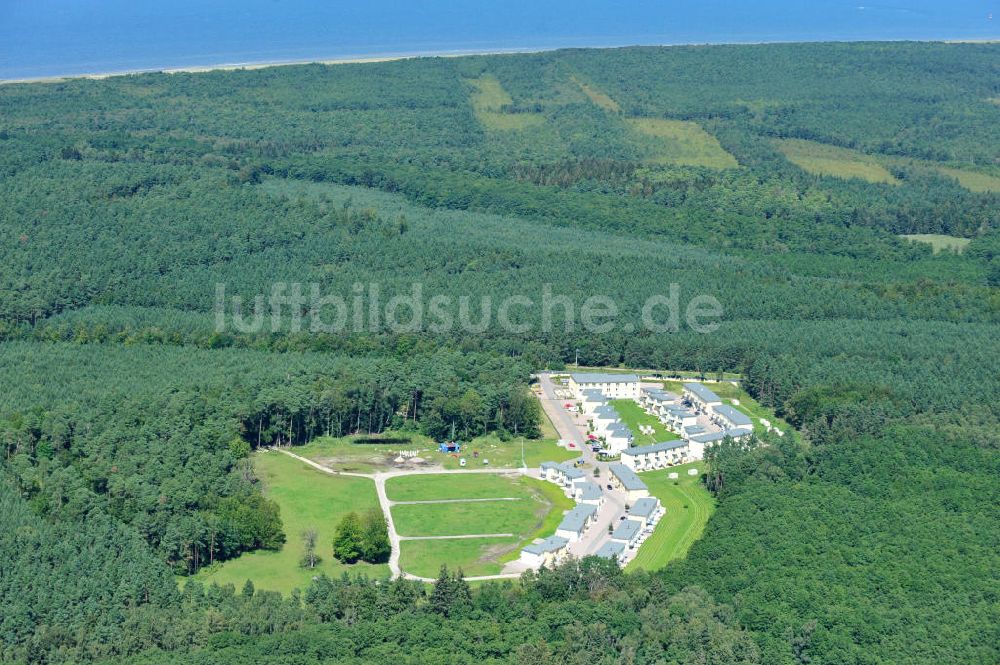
[(571, 445)]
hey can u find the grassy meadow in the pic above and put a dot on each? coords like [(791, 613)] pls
[(822, 159), (633, 415), (308, 499), (597, 96), (688, 506), (940, 242), (536, 513), (488, 100), (681, 142)]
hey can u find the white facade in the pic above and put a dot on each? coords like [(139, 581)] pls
[(656, 456), (613, 386)]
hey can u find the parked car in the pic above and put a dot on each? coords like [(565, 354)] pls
[(610, 487), (571, 445)]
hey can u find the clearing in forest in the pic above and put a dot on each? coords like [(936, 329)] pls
[(683, 143), (536, 509), (492, 104), (308, 499), (971, 180), (597, 96), (824, 159), (940, 242)]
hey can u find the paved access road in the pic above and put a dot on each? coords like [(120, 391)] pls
[(573, 427)]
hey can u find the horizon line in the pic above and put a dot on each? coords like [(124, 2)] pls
[(449, 53)]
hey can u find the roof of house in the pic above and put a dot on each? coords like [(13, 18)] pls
[(619, 426), (645, 506), (709, 437), (610, 549), (655, 448), (679, 411), (737, 418), (577, 518), (701, 392), (550, 465), (694, 429), (626, 530), (596, 377), (606, 410), (628, 478), (570, 471), (550, 544), (589, 491)]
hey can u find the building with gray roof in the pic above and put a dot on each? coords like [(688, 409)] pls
[(626, 479), (627, 532), (611, 550), (700, 396), (576, 521), (730, 417)]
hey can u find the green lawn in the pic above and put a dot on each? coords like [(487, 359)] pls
[(453, 486), (536, 514), (308, 499), (633, 415), (688, 506), (518, 517), (479, 556)]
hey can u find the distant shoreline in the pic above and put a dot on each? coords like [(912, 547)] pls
[(388, 57), (345, 60)]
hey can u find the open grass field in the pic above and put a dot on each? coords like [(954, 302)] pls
[(973, 181), (633, 416), (475, 556), (452, 486), (597, 96), (308, 499), (940, 242), (537, 513), (342, 454), (506, 454), (823, 159), (688, 506), (682, 142), (488, 100), (747, 404), (518, 517)]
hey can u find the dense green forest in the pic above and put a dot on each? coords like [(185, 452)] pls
[(127, 414)]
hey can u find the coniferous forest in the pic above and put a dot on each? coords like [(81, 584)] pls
[(779, 179)]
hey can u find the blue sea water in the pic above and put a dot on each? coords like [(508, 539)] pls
[(62, 37)]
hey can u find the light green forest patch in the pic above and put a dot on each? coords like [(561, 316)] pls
[(822, 159), (940, 242), (308, 499), (597, 96), (974, 181), (489, 100), (682, 142), (688, 506)]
